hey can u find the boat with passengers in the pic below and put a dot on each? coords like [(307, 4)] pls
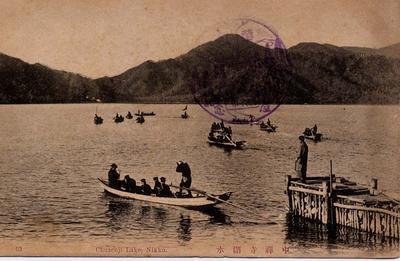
[(199, 200)]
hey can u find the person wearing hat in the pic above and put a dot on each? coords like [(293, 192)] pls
[(130, 184), (301, 161), (113, 177), (165, 189), (145, 188), (157, 186)]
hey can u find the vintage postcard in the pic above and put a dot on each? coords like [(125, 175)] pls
[(226, 128)]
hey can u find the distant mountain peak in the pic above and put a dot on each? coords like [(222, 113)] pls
[(228, 41), (316, 48)]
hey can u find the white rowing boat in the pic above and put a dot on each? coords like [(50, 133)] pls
[(194, 202)]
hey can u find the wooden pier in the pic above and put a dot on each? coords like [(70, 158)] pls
[(339, 202)]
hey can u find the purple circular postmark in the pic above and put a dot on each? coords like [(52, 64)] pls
[(247, 111)]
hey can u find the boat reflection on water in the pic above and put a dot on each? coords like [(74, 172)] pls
[(306, 233), (117, 213), (217, 216), (184, 229), (131, 216)]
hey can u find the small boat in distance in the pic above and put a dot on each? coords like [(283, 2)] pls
[(228, 144), (184, 115), (249, 120), (139, 113), (268, 127), (129, 115), (196, 202), (311, 134), (140, 119), (240, 121), (118, 118), (98, 119), (222, 136)]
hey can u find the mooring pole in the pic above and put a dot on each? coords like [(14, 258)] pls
[(332, 214), (330, 177), (289, 193)]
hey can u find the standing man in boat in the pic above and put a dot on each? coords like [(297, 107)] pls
[(301, 161), (315, 129), (186, 180), (113, 176)]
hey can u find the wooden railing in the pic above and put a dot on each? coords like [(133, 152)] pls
[(320, 203)]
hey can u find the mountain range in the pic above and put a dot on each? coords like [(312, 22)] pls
[(229, 69)]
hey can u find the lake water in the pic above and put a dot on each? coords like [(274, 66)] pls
[(51, 156)]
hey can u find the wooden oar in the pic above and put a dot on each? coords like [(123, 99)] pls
[(221, 200)]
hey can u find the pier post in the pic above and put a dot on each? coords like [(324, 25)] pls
[(331, 194), (326, 213), (289, 193), (373, 186)]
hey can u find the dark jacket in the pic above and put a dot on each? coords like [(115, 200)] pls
[(145, 189), (302, 161), (113, 178), (165, 191), (186, 181), (157, 187), (303, 155), (130, 185)]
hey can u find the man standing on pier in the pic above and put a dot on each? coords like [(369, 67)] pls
[(301, 161)]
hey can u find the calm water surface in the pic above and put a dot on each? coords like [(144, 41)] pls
[(51, 156)]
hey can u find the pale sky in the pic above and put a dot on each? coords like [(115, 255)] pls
[(106, 37)]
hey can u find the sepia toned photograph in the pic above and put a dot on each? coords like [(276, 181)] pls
[(225, 128)]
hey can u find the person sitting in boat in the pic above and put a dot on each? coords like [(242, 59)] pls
[(145, 188), (113, 177), (307, 132), (165, 190), (130, 184), (315, 129), (252, 118), (186, 180), (229, 132), (157, 186), (129, 115), (269, 122)]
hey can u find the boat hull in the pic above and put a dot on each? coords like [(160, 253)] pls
[(98, 121), (268, 129), (145, 114), (234, 145), (195, 202), (316, 138)]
